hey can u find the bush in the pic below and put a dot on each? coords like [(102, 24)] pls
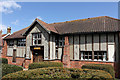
[(7, 68), (105, 67), (4, 60), (45, 64), (59, 73)]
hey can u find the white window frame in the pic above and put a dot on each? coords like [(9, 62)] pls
[(37, 38)]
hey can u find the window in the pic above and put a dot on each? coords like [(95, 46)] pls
[(100, 55), (86, 55), (61, 41), (11, 43), (36, 38), (56, 41), (21, 42)]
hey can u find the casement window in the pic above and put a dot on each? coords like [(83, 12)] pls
[(56, 41), (61, 41), (86, 55), (21, 42), (100, 55), (37, 38), (11, 43)]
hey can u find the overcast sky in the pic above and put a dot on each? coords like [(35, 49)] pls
[(21, 14)]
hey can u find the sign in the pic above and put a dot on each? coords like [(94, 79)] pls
[(37, 48)]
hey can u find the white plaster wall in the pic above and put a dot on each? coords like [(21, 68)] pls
[(111, 49), (59, 53), (76, 47), (9, 51)]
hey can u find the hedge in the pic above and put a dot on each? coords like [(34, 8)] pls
[(4, 60), (7, 68), (106, 67), (45, 64), (59, 73)]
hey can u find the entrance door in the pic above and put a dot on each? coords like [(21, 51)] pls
[(38, 56)]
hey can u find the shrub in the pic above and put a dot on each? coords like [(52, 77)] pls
[(59, 73), (7, 68), (105, 67), (75, 75), (4, 60), (45, 64)]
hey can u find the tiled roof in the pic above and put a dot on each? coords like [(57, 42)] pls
[(47, 26), (17, 34), (96, 24)]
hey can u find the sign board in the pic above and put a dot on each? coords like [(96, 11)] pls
[(37, 48)]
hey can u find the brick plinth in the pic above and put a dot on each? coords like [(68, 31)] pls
[(27, 62), (19, 61)]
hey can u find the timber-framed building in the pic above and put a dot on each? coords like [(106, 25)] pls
[(74, 43)]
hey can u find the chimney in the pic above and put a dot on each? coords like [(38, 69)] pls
[(8, 30)]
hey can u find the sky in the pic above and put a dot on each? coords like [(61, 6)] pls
[(19, 15)]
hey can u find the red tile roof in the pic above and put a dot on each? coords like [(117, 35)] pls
[(96, 24), (17, 34)]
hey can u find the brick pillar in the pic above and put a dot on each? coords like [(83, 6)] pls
[(4, 50), (66, 55)]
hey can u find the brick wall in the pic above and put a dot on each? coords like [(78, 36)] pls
[(4, 50), (19, 61)]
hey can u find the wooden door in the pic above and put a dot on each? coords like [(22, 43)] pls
[(38, 56), (14, 55)]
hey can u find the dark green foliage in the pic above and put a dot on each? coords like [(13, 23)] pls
[(105, 67), (7, 68), (58, 73), (45, 64), (4, 60), (75, 75)]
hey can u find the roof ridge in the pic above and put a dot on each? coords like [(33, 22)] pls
[(112, 18), (86, 19)]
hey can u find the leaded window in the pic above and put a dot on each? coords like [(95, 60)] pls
[(61, 41), (21, 42), (37, 38), (11, 42)]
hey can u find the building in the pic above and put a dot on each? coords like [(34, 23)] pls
[(2, 36), (74, 43)]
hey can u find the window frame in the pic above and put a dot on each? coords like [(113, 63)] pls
[(37, 38), (21, 42), (11, 44), (103, 55), (61, 42)]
